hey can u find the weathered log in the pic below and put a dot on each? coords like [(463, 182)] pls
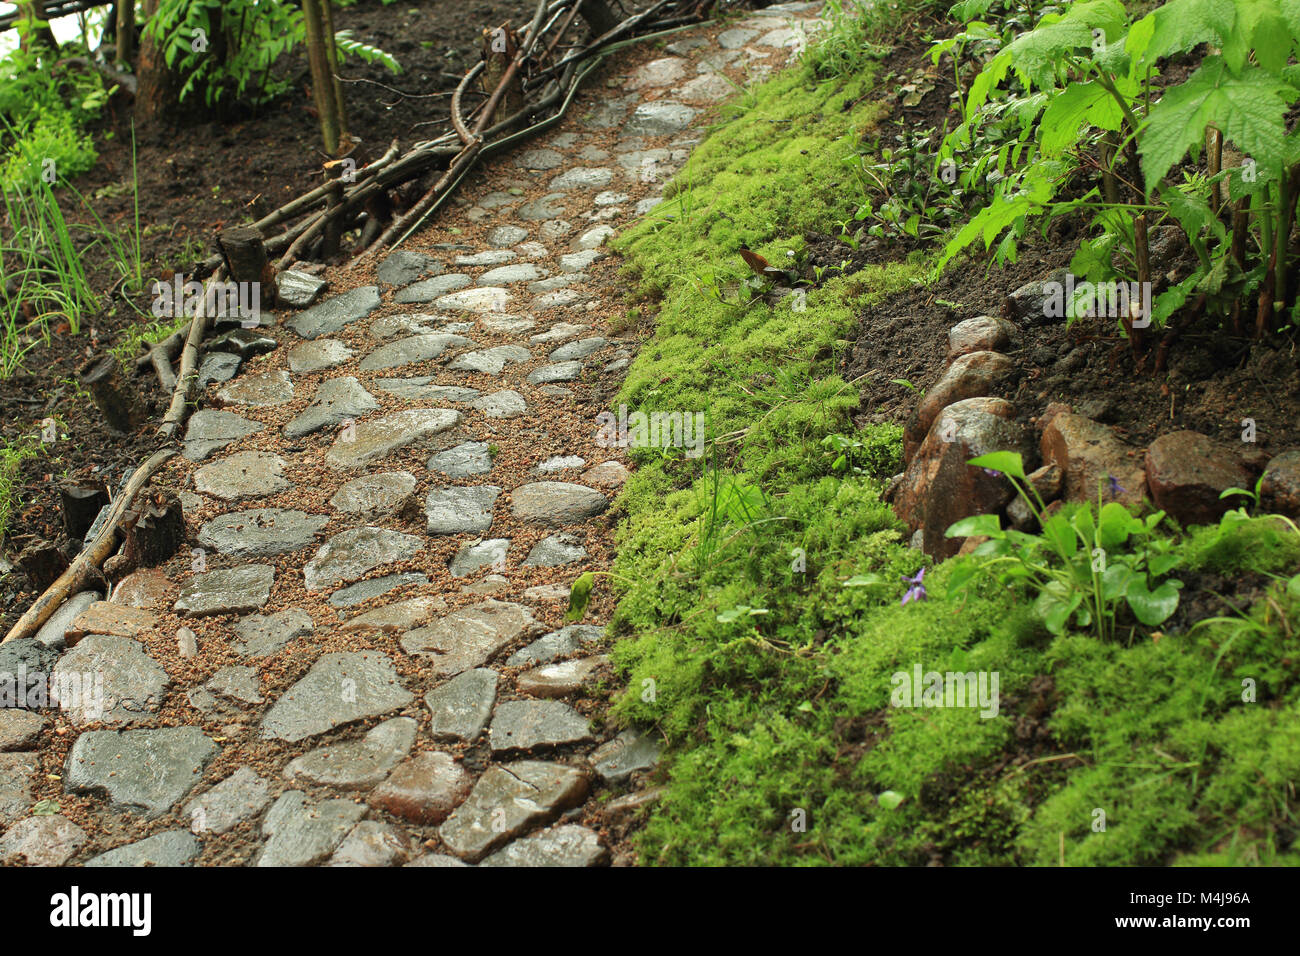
[(42, 562), (244, 252), (153, 529), (113, 395), (82, 501)]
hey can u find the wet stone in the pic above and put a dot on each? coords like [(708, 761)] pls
[(372, 843), (244, 343), (399, 616), (339, 689), (424, 789), (558, 333), (557, 372), (509, 800), (416, 348), (578, 350), (660, 118), (336, 401), (462, 707), (263, 390), (491, 257), (558, 463), (735, 38), (218, 367), (486, 299), (236, 683), (140, 771), (567, 845), (457, 510), (559, 680), (490, 361), (19, 729), (356, 764), (336, 312), (463, 461), (374, 587), (583, 178), (544, 208), (706, 88), (376, 496), (260, 636), (402, 267), (298, 289), (423, 389), (104, 617), (351, 554), (556, 503), (51, 635), (41, 841), (239, 797), (555, 551), (567, 640), (169, 848), (627, 753), (662, 72), (431, 289), (261, 532), (231, 591), (318, 355), (504, 275), (480, 554), (377, 438), (542, 159), (303, 833), (16, 772), (245, 474), (577, 261), (211, 430), (503, 237), (133, 682), (525, 724), (471, 636)]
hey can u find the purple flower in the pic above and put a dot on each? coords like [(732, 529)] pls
[(917, 590), (992, 472), (1116, 489)]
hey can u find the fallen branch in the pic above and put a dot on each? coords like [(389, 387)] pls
[(188, 372)]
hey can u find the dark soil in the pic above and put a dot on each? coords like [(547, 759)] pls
[(194, 179)]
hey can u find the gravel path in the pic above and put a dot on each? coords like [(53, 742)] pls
[(363, 659)]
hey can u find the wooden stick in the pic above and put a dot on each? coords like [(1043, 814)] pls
[(85, 566), (188, 373)]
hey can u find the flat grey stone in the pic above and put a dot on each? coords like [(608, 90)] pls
[(567, 845), (52, 632), (645, 205), (245, 474), (298, 289), (594, 238), (533, 250), (350, 554), (245, 343), (340, 688), (660, 118), (469, 637), (240, 684), (555, 551), (431, 289), (506, 324), (372, 843), (490, 361), (610, 198), (318, 355), (239, 797), (556, 503), (303, 833), (558, 463), (525, 724), (686, 45), (218, 367), (463, 461), (509, 800), (436, 859), (41, 841), (416, 348), (504, 275), (783, 37), (607, 113), (19, 729), (578, 350), (540, 159), (376, 496), (503, 237), (336, 400), (577, 261), (559, 299), (408, 323), (486, 299), (627, 753), (557, 282), (423, 388), (735, 38), (16, 773), (706, 88), (505, 404), (375, 439), (357, 764), (559, 332), (398, 616), (555, 228), (232, 591), (498, 199), (262, 390), (140, 771), (582, 178), (261, 636), (491, 257), (335, 312), (479, 554), (402, 267), (374, 587), (108, 679), (261, 532), (717, 61), (462, 707), (210, 430), (458, 510), (561, 679), (661, 72), (567, 640), (543, 208), (169, 848)]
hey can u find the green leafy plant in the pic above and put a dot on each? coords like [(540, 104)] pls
[(1083, 564)]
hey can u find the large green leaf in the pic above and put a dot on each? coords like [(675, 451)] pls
[(1078, 104), (1037, 56), (1260, 27), (1007, 462), (1248, 109), (987, 525), (1152, 607), (1182, 24)]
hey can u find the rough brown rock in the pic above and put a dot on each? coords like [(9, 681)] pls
[(984, 333), (1186, 472), (1280, 491), (970, 376), (1089, 455)]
